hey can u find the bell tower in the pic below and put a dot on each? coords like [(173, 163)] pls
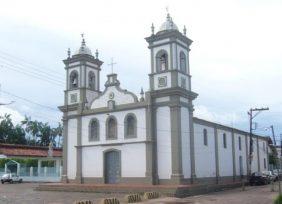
[(169, 57), (170, 98), (83, 75)]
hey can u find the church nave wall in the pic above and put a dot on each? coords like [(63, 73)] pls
[(120, 116), (133, 160), (204, 154)]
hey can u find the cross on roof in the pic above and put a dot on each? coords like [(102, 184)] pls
[(112, 65)]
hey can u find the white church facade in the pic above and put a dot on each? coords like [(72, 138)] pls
[(113, 136)]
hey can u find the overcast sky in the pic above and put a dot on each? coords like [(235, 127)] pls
[(235, 56)]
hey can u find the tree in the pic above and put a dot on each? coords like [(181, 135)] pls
[(41, 133), (9, 133)]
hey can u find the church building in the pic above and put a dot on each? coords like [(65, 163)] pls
[(113, 136)]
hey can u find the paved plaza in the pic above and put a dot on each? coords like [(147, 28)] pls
[(24, 194)]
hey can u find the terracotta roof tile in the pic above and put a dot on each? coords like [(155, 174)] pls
[(29, 151)]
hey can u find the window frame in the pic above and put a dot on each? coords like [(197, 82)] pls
[(73, 72), (158, 64), (90, 138), (107, 128), (224, 140), (182, 57), (94, 84), (126, 136), (240, 143), (205, 135)]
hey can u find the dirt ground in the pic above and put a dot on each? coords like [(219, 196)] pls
[(24, 194)]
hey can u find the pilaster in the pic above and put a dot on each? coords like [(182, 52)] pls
[(216, 155), (65, 149), (79, 148), (192, 144), (233, 155), (176, 148)]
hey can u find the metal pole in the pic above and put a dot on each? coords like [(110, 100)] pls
[(251, 143)]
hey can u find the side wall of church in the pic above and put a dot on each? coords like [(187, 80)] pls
[(240, 152), (204, 154), (229, 163), (163, 132), (225, 157)]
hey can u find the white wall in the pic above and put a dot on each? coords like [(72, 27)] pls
[(225, 158), (185, 141), (72, 141), (263, 154), (239, 153), (163, 142), (204, 155), (141, 127), (119, 98), (133, 160)]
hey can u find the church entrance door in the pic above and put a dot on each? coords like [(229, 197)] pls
[(112, 166)]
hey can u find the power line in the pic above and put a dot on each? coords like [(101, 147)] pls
[(25, 61), (25, 99), (34, 75)]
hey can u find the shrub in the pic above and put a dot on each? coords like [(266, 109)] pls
[(278, 199)]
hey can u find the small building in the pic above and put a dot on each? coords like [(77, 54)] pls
[(39, 153)]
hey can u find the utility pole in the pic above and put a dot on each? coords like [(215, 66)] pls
[(252, 116)]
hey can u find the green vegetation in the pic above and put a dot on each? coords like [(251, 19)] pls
[(278, 199), (23, 162), (31, 132)]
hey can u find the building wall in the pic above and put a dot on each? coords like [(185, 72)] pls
[(263, 155), (120, 116), (185, 141), (241, 153), (225, 154), (204, 155), (72, 141), (163, 142), (93, 164)]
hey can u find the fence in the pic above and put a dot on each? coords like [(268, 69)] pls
[(35, 174)]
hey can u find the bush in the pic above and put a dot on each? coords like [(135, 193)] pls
[(278, 199), (24, 162)]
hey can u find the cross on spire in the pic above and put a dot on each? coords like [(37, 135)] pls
[(82, 36), (112, 65)]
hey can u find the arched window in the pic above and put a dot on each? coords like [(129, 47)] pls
[(130, 126), (240, 145), (224, 140), (91, 80), (73, 79), (111, 128), (94, 130), (205, 132), (161, 61), (182, 62)]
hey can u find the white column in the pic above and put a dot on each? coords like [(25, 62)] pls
[(39, 167), (60, 172), (18, 169), (58, 165), (45, 171), (31, 171), (5, 168)]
